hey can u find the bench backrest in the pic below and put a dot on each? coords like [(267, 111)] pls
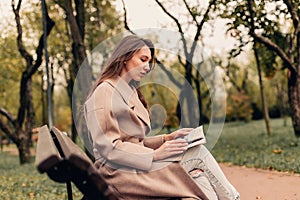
[(64, 161)]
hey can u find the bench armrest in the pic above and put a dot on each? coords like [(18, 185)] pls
[(71, 151), (47, 154), (81, 170)]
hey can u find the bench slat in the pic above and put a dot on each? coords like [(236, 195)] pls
[(47, 154), (71, 151), (81, 170)]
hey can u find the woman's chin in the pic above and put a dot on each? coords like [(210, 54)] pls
[(138, 78)]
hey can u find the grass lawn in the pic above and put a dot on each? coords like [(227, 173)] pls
[(240, 144), (248, 144), (25, 182)]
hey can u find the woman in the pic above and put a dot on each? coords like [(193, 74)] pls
[(136, 166)]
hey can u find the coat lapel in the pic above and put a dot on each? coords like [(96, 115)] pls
[(131, 98), (136, 105)]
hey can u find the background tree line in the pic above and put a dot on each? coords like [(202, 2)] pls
[(268, 84)]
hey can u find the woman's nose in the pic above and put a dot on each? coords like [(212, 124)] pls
[(147, 67)]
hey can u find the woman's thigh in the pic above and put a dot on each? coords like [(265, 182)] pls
[(199, 157)]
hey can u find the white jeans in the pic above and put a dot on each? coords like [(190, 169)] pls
[(212, 181)]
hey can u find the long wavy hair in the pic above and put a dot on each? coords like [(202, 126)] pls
[(123, 52)]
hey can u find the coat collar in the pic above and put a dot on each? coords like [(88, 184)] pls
[(130, 97)]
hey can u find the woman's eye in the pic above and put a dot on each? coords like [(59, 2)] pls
[(143, 60)]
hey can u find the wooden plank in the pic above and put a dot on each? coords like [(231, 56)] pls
[(71, 151), (47, 154), (82, 171)]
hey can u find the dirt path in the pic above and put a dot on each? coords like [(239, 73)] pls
[(263, 184), (257, 184)]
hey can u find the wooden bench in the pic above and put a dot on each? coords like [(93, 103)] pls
[(64, 162)]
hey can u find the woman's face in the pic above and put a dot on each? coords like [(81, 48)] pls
[(138, 66)]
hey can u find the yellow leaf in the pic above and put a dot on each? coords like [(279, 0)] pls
[(277, 151)]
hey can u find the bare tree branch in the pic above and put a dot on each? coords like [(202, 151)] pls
[(293, 11), (7, 130), (125, 18), (180, 60), (168, 73), (191, 13), (21, 47), (39, 50), (200, 25), (272, 46), (266, 41), (80, 17), (231, 79), (178, 26), (8, 115), (31, 66), (76, 36), (295, 17), (234, 83)]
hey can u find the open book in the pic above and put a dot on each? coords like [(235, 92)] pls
[(195, 137)]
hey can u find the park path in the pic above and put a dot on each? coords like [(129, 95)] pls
[(256, 184), (261, 184)]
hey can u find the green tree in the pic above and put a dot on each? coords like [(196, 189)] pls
[(239, 92), (10, 70), (19, 128), (276, 25), (75, 18), (196, 15), (80, 27)]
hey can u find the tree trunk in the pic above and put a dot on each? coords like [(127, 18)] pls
[(187, 92), (294, 98), (199, 98), (288, 57), (83, 79), (43, 101), (19, 129), (187, 101), (23, 147), (262, 92)]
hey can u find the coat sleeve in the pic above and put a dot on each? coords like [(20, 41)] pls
[(153, 142), (105, 132)]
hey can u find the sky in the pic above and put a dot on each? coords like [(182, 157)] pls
[(143, 14), (147, 14), (6, 15)]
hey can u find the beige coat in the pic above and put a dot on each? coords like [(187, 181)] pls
[(118, 123)]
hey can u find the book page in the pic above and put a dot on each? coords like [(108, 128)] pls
[(195, 137)]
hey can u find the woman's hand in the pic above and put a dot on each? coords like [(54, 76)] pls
[(170, 148), (178, 133)]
